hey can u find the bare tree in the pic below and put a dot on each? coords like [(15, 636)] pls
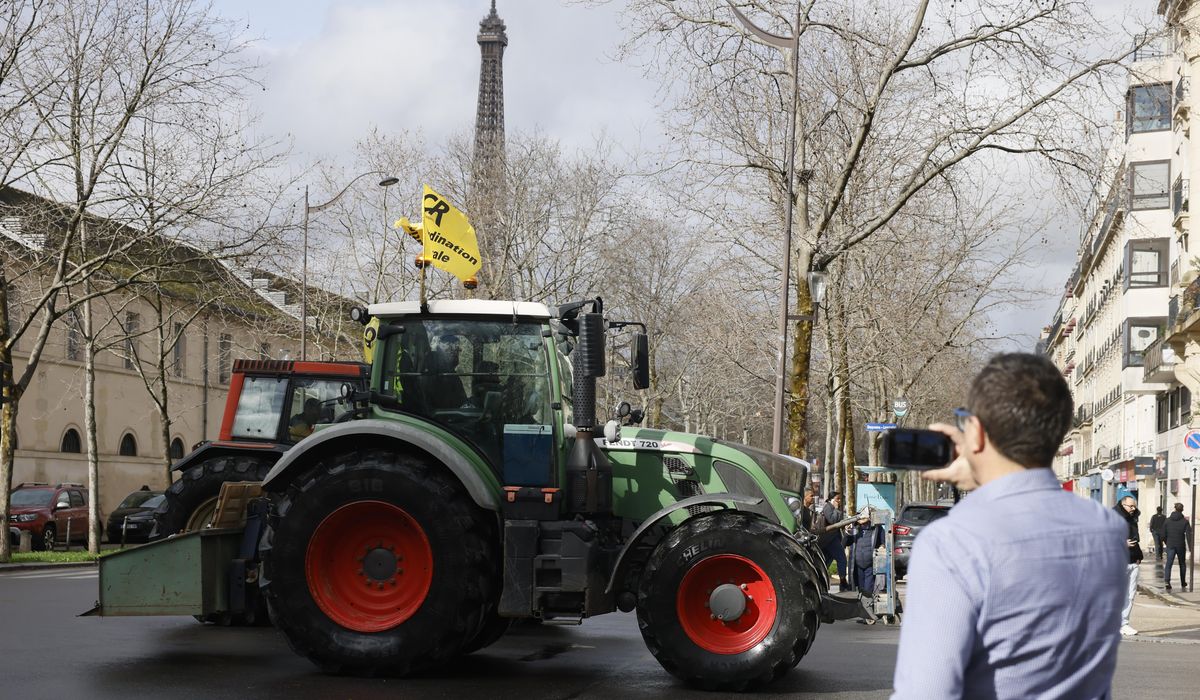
[(93, 75), (910, 91)]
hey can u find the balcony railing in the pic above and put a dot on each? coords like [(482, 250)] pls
[(1147, 46), (1172, 312), (1158, 363), (1179, 196)]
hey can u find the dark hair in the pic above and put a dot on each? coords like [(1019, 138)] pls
[(1160, 509), (1179, 507), (833, 495), (1024, 405)]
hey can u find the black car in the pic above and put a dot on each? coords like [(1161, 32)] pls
[(913, 517), (133, 520)]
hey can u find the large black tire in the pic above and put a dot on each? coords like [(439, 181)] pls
[(198, 487), (460, 564), (749, 543)]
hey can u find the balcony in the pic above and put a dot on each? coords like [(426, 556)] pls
[(1082, 417), (1172, 312), (1147, 46), (1179, 199), (1182, 88), (1158, 363)]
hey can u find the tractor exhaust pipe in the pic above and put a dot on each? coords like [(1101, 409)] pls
[(589, 473)]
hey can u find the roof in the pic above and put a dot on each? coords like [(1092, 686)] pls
[(463, 307)]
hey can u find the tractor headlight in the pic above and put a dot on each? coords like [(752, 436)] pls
[(795, 505)]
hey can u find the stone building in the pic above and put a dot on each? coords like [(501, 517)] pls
[(209, 314)]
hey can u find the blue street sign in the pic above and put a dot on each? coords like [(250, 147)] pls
[(1192, 440), (880, 427)]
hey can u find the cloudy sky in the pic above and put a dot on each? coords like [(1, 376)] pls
[(333, 69)]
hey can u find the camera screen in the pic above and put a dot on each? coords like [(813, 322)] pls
[(918, 448)]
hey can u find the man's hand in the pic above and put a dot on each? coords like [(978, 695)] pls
[(957, 472)]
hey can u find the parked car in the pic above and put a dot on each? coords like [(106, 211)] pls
[(913, 517), (134, 516), (51, 513)]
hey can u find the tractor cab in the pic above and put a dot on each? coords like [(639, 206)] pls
[(486, 371), (279, 402)]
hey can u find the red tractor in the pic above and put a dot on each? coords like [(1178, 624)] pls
[(272, 405)]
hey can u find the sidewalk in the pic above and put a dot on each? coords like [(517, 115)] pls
[(1150, 582)]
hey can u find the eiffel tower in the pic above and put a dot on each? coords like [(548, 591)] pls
[(488, 187)]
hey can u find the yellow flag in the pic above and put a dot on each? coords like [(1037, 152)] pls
[(415, 231), (449, 238), (370, 335)]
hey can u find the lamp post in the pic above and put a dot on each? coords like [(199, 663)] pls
[(784, 43), (386, 182)]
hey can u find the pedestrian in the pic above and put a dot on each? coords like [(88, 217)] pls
[(1017, 593), (806, 514), (1156, 531), (1128, 511), (829, 538), (1176, 535), (864, 538)]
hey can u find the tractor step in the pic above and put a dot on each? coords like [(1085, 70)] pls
[(563, 620)]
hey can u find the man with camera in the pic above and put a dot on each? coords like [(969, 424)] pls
[(1018, 592)]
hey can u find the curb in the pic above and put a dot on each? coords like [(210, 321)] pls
[(35, 566), (1162, 597)]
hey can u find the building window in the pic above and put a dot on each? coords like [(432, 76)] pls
[(70, 442), (128, 446), (74, 337), (1148, 108), (1173, 407), (1147, 262), (1150, 185), (1140, 333), (1161, 412), (224, 358), (178, 351), (132, 324), (177, 449)]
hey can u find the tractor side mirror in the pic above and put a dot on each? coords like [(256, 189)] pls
[(641, 361), (388, 331)]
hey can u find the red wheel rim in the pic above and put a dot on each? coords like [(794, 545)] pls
[(369, 566), (726, 636)]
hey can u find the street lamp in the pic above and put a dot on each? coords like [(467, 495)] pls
[(785, 43), (385, 182)]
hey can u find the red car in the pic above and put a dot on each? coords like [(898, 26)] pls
[(51, 512)]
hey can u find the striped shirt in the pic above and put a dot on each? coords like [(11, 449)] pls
[(1017, 593)]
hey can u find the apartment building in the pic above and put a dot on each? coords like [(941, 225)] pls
[(1109, 333)]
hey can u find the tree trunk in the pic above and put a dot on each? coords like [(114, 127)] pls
[(89, 421), (8, 428), (802, 331)]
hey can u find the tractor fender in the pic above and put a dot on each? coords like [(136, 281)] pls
[(209, 450), (353, 432), (720, 499)]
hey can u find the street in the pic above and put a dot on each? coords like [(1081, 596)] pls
[(47, 651)]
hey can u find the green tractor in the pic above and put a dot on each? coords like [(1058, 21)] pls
[(470, 485)]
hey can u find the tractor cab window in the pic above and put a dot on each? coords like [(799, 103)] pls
[(313, 401), (487, 381), (259, 408)]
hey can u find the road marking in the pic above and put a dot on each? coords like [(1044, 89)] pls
[(52, 574)]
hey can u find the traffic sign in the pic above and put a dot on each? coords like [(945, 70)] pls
[(1192, 440), (880, 427), (900, 407)]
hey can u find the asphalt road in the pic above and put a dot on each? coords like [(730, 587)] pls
[(46, 651)]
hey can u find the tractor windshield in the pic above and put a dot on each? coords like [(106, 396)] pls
[(488, 381)]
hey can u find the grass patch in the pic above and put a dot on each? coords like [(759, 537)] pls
[(52, 557)]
